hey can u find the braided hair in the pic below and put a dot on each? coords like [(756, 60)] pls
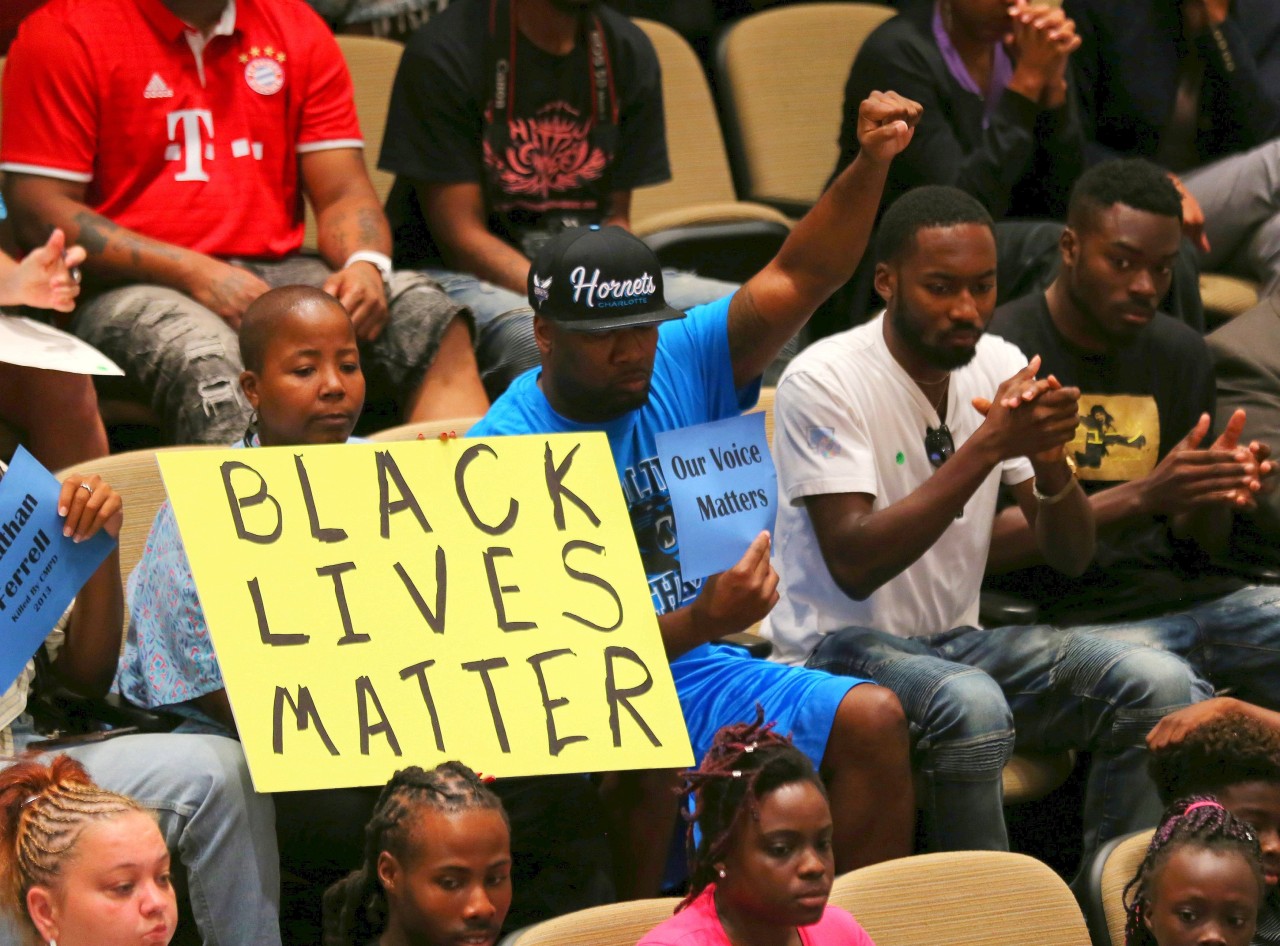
[(355, 908), (1196, 821), (745, 763), (44, 809)]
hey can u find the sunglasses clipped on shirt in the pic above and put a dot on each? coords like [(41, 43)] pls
[(938, 445)]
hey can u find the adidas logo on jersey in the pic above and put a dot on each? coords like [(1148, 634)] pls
[(156, 88)]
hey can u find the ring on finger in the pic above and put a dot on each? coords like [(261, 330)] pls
[(88, 487), (74, 272)]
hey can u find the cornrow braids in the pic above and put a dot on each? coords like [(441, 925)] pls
[(746, 762), (355, 908), (1196, 821), (44, 809)]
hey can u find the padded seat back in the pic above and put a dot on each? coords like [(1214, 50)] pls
[(962, 898), (1101, 884), (695, 145), (426, 430), (372, 63), (618, 924), (782, 73), (136, 477)]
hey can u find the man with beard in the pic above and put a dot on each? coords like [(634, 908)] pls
[(1164, 509), (609, 365), (892, 442), (510, 121)]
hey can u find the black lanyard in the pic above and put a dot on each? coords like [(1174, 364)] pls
[(501, 97)]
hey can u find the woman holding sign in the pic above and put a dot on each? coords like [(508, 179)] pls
[(56, 412), (304, 382), (197, 786)]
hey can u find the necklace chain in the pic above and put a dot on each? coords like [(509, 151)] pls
[(942, 395)]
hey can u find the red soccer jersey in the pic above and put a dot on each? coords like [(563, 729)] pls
[(194, 147)]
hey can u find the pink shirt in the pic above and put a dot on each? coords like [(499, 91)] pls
[(699, 925)]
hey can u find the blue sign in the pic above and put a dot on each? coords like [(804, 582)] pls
[(724, 490), (40, 570)]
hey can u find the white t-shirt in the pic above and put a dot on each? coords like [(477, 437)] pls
[(849, 419)]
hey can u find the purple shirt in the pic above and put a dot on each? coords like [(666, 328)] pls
[(1001, 68)]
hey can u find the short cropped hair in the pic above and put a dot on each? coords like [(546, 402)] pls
[(1226, 751), (1130, 181), (265, 314), (925, 207)]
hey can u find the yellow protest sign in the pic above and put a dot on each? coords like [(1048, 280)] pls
[(380, 605)]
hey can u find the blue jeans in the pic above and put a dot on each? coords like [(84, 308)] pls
[(505, 347), (221, 831), (1232, 641), (972, 695)]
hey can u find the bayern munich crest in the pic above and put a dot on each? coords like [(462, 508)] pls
[(264, 72)]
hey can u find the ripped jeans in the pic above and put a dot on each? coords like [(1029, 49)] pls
[(972, 695), (187, 359)]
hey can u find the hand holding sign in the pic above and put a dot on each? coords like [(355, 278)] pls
[(42, 567), (88, 505), (735, 599), (724, 490), (377, 604)]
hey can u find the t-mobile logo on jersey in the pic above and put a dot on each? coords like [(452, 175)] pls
[(188, 128), (191, 136)]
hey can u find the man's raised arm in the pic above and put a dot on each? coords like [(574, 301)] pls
[(825, 247)]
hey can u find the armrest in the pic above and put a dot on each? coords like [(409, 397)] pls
[(998, 609)]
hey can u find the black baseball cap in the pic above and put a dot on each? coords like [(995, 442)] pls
[(596, 279)]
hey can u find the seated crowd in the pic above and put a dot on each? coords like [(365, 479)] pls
[(1074, 445)]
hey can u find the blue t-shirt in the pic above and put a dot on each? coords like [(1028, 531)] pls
[(692, 384)]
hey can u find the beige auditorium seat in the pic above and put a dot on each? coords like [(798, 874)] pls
[(372, 63), (782, 74), (701, 185), (1101, 884), (426, 430), (618, 924), (962, 898), (1225, 297), (695, 221), (136, 477)]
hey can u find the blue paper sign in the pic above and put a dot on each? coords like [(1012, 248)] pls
[(40, 570), (724, 490)]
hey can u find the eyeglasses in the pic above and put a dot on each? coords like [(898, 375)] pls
[(938, 445)]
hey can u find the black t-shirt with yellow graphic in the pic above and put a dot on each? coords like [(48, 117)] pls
[(1136, 404)]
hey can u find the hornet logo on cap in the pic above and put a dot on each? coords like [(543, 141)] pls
[(541, 287), (611, 292)]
